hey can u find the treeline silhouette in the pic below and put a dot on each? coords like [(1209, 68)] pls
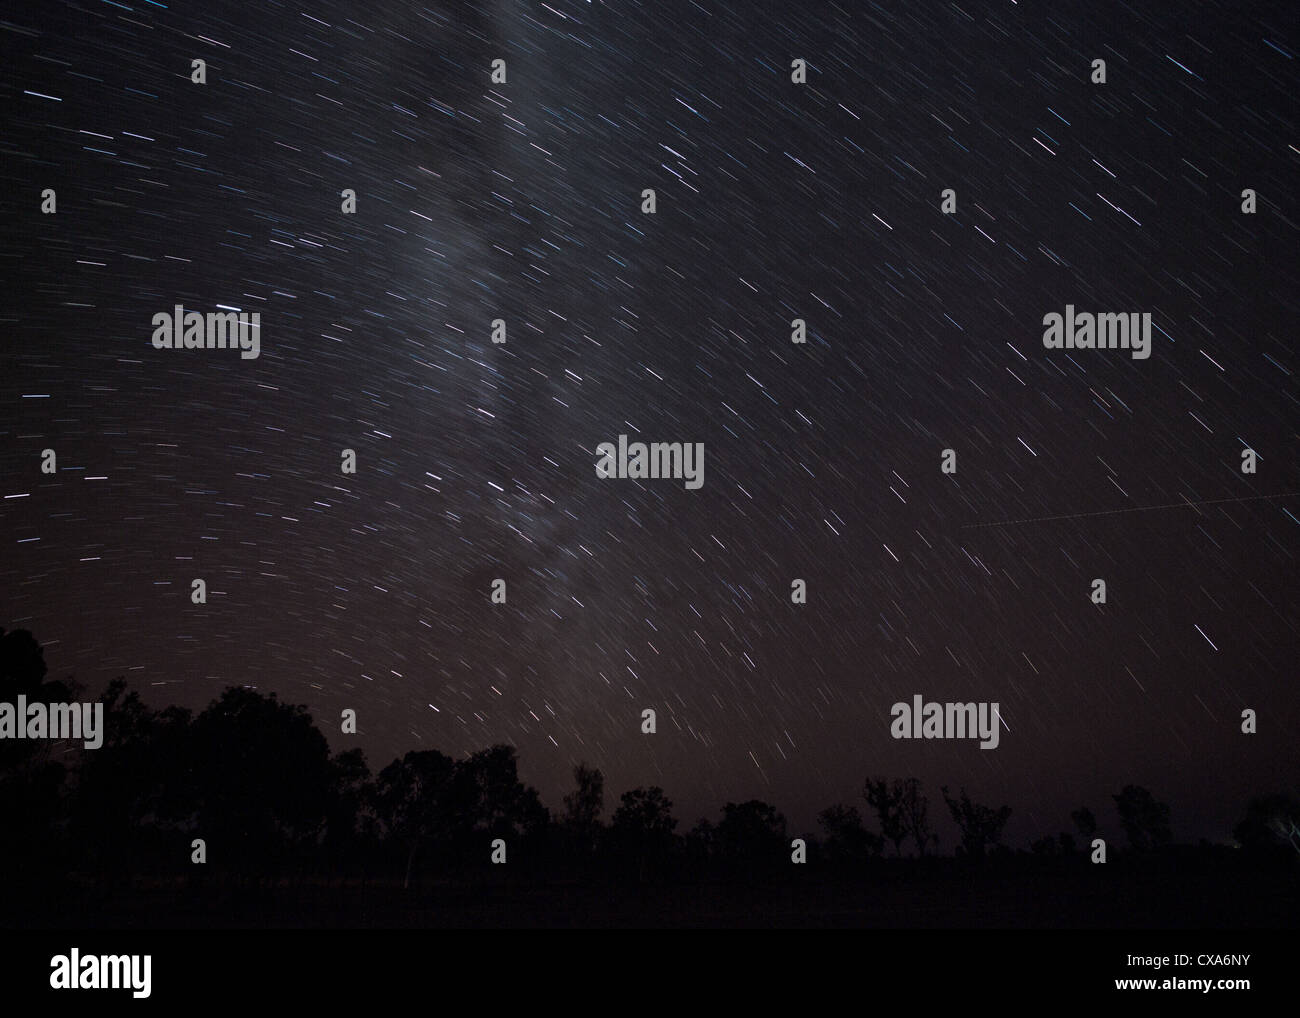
[(255, 780)]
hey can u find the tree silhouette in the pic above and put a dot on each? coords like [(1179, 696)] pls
[(1144, 819), (752, 831), (847, 840), (22, 665), (583, 806), (915, 806), (350, 822), (980, 826), (901, 810), (642, 827), (22, 673), (887, 801), (489, 799), (260, 775), (645, 813), (255, 779), (32, 805), (32, 786), (1271, 826), (1084, 822), (702, 842), (133, 794), (413, 795)]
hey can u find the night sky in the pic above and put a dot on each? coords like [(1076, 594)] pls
[(522, 201)]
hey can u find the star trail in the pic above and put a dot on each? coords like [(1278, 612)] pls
[(498, 302)]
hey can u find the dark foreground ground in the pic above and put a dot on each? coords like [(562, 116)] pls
[(1114, 896)]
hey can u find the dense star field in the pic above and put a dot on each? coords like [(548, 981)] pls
[(522, 200)]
